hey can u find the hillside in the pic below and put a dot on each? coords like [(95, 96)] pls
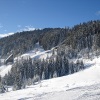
[(32, 61), (22, 42), (79, 86), (79, 37)]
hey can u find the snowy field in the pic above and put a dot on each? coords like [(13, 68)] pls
[(83, 85)]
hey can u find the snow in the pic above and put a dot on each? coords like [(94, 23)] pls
[(83, 85), (91, 92), (4, 69)]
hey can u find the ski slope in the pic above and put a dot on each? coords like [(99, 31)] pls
[(83, 85)]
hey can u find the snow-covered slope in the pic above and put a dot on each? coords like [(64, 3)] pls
[(83, 85), (37, 53)]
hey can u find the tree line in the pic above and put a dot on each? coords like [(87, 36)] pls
[(27, 72)]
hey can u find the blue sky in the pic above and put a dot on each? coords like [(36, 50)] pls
[(17, 15)]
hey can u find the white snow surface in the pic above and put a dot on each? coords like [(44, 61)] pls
[(83, 85), (4, 69)]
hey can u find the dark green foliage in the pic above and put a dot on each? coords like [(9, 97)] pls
[(82, 36), (2, 88), (22, 42), (53, 37)]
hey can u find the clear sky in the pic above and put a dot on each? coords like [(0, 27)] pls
[(16, 15)]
